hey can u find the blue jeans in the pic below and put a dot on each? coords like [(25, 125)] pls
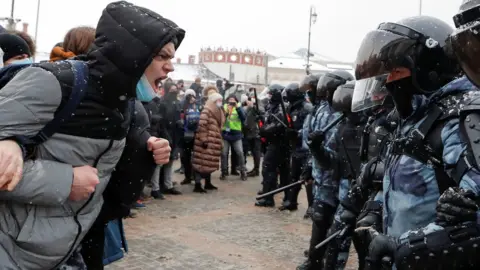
[(238, 149)]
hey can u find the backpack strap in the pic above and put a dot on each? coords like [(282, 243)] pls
[(80, 75)]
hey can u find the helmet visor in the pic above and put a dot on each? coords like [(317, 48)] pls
[(369, 93), (466, 45), (381, 51)]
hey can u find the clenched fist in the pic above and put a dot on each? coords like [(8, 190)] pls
[(85, 179), (11, 164), (160, 149)]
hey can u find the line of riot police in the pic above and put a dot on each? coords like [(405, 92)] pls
[(399, 176)]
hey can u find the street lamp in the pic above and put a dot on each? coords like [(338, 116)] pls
[(36, 26), (312, 20)]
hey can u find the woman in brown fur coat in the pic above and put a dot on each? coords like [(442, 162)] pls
[(207, 147)]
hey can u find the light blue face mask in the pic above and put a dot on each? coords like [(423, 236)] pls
[(145, 91), (22, 61)]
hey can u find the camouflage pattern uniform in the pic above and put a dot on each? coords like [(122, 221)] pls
[(325, 190), (410, 187)]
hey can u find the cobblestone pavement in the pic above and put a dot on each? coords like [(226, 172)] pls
[(220, 230)]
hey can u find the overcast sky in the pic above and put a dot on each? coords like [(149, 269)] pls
[(275, 26)]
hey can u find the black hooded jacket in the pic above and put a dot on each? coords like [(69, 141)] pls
[(126, 44)]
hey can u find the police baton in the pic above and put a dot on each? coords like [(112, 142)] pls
[(276, 191), (338, 233)]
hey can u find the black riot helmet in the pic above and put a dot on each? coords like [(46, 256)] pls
[(342, 97), (465, 40), (292, 93), (413, 53), (329, 82), (275, 93), (309, 86)]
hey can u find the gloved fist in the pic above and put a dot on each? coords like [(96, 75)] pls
[(348, 217), (455, 206), (307, 173), (381, 246), (316, 138)]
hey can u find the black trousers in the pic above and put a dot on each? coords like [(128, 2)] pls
[(187, 159), (276, 161), (299, 161), (92, 246)]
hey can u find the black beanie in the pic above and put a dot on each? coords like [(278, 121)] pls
[(13, 45)]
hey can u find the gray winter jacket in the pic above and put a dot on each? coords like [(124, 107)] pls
[(39, 225)]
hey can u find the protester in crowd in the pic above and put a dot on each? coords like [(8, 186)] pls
[(232, 136), (67, 196), (28, 39), (77, 41), (197, 86), (180, 85), (207, 147), (156, 115), (15, 50), (181, 96), (221, 90), (251, 135), (174, 128), (191, 116)]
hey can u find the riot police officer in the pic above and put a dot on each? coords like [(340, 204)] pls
[(343, 158), (325, 189), (364, 199), (277, 156), (428, 166), (298, 110)]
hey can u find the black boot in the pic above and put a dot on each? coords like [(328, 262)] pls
[(243, 176), (253, 173), (287, 205), (265, 203), (309, 265), (234, 172), (223, 176), (308, 213), (209, 186), (186, 182), (198, 188)]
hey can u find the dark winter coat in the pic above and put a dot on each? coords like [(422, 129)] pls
[(39, 225)]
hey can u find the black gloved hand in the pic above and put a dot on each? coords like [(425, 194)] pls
[(316, 139), (380, 246), (205, 145), (455, 206), (307, 173), (348, 217), (355, 199)]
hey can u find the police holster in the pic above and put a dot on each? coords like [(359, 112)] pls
[(455, 247)]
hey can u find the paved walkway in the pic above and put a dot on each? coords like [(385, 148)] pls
[(218, 230)]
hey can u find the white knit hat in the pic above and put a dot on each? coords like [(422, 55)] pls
[(244, 98), (214, 97), (190, 92)]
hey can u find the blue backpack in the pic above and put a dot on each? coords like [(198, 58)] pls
[(79, 85)]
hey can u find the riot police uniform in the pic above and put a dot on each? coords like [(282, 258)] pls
[(363, 203), (343, 158), (277, 155), (428, 156), (298, 110), (325, 186)]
